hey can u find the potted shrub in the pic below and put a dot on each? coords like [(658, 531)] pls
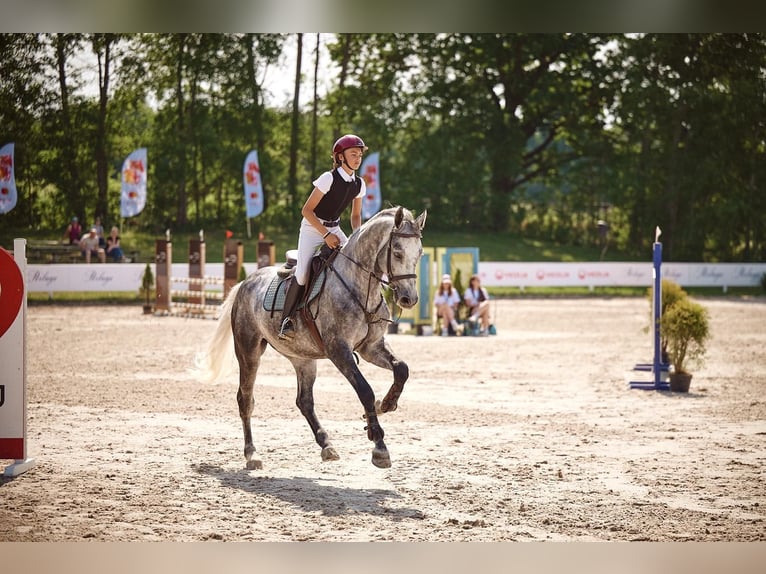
[(671, 293), (685, 328), (147, 282)]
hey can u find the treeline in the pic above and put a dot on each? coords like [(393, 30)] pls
[(541, 135)]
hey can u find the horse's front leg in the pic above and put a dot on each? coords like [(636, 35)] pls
[(380, 354), (306, 370), (343, 359)]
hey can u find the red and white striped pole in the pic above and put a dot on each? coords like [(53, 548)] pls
[(13, 358)]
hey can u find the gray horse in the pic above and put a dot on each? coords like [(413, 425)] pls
[(350, 315)]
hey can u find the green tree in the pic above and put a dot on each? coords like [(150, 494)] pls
[(688, 141), (23, 94)]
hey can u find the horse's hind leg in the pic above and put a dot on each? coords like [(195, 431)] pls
[(306, 370), (249, 359)]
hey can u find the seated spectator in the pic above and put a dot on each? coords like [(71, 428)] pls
[(477, 299), (73, 232), (446, 301), (100, 232), (89, 247), (113, 248)]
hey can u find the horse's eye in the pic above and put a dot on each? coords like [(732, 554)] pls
[(398, 256)]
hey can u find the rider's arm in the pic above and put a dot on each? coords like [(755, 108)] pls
[(356, 213), (308, 211)]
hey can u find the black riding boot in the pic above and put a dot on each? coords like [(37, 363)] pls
[(293, 296)]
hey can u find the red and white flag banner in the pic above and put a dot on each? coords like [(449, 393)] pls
[(8, 196), (251, 174), (133, 196), (370, 172)]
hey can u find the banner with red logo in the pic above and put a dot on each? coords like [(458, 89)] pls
[(8, 195), (370, 172), (133, 197), (253, 186)]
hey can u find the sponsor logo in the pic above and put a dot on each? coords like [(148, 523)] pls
[(100, 277), (44, 277)]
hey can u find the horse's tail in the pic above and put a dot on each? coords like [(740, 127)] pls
[(217, 361)]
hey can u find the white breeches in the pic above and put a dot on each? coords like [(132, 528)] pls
[(309, 240)]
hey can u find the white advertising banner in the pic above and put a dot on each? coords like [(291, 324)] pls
[(619, 274), (51, 278), (127, 276)]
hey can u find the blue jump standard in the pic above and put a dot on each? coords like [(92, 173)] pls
[(656, 367), (657, 384)]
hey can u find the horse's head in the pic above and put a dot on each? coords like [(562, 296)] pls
[(400, 259)]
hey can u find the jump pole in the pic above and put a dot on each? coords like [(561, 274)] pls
[(197, 258), (657, 367), (196, 280), (13, 357), (163, 260)]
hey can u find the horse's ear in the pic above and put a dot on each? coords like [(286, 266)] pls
[(421, 219), (399, 216)]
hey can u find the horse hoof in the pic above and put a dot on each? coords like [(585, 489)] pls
[(381, 459), (387, 406), (254, 465), (329, 453)]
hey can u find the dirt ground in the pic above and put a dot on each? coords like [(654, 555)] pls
[(530, 435)]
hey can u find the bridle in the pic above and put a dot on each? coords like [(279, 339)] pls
[(390, 280)]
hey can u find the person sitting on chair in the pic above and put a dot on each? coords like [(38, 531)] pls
[(333, 192), (113, 248), (89, 246), (73, 232), (447, 300), (477, 299)]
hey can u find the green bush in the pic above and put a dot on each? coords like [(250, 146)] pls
[(671, 294), (685, 327)]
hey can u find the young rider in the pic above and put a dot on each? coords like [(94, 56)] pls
[(333, 192)]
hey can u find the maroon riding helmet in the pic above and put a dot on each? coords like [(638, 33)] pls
[(345, 142)]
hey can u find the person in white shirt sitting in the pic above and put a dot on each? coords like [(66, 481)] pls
[(89, 246), (446, 301), (477, 299)]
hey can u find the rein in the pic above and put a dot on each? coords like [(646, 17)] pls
[(372, 316)]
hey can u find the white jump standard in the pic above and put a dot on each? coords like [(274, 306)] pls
[(13, 358)]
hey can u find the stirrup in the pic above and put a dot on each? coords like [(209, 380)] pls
[(287, 330)]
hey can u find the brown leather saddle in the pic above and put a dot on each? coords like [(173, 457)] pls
[(274, 300)]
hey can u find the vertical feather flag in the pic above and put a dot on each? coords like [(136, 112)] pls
[(8, 195), (370, 171), (253, 187), (133, 197)]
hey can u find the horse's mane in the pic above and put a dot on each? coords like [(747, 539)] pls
[(390, 212), (374, 221)]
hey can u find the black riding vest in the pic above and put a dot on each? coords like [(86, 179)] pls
[(338, 198)]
